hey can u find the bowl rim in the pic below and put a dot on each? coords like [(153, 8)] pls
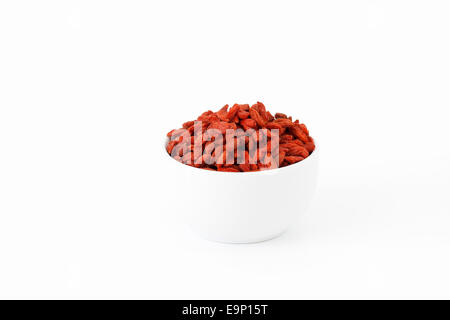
[(313, 156)]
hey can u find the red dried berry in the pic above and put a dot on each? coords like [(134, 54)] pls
[(254, 114)]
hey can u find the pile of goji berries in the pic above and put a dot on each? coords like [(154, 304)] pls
[(293, 142)]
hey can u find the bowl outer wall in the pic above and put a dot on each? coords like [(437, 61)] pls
[(242, 207)]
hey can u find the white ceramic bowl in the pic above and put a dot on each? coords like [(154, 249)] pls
[(243, 207)]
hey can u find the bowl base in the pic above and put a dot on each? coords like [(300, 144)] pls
[(240, 241)]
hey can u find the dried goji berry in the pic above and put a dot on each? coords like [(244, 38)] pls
[(243, 114), (280, 116), (249, 124), (254, 114)]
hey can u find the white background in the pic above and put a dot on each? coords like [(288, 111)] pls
[(88, 89)]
